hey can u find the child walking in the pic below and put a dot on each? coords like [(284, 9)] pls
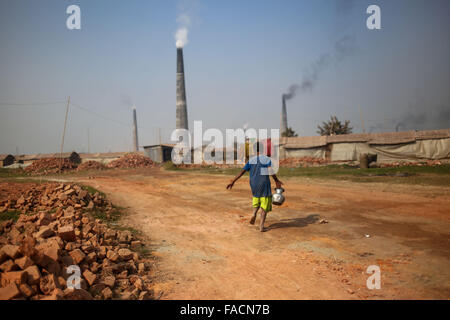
[(260, 185)]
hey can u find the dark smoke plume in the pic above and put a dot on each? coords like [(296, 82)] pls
[(439, 118), (291, 92), (435, 118), (412, 121), (343, 48), (443, 119), (344, 7)]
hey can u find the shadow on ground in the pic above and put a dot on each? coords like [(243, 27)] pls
[(295, 222)]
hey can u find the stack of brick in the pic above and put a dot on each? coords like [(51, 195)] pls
[(50, 165), (41, 253), (53, 196), (302, 162), (91, 165), (131, 161), (397, 164)]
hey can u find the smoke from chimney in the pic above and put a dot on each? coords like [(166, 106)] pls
[(291, 92), (344, 47), (181, 35)]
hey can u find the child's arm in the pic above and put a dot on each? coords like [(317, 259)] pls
[(277, 181), (236, 179)]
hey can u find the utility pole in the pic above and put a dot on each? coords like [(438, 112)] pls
[(64, 133), (135, 131), (362, 120), (89, 141)]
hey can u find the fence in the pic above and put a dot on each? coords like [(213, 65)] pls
[(389, 146)]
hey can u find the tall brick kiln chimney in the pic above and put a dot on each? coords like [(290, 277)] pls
[(182, 120), (283, 126), (135, 132)]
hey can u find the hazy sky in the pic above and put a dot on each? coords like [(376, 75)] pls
[(241, 57)]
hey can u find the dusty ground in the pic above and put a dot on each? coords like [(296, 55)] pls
[(206, 249)]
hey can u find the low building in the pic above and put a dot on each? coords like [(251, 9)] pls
[(73, 157), (389, 146), (6, 159), (159, 152)]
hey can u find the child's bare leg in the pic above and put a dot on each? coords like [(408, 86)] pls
[(263, 219), (253, 219)]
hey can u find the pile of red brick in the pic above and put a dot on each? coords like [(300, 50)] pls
[(396, 164), (41, 252), (131, 161), (50, 165), (302, 162), (91, 165), (48, 197)]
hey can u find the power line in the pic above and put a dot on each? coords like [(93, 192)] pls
[(49, 103), (100, 115), (31, 104), (40, 104), (110, 119), (129, 126)]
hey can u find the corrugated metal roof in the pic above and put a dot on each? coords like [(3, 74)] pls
[(433, 134), (371, 138), (355, 137), (392, 137), (304, 142)]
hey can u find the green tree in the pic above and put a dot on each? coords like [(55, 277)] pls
[(289, 133), (334, 127)]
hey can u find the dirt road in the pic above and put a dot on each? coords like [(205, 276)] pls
[(206, 249)]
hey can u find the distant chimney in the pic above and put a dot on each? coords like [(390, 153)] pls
[(283, 126), (182, 120), (135, 132)]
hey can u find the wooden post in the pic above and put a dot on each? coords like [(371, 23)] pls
[(64, 133)]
